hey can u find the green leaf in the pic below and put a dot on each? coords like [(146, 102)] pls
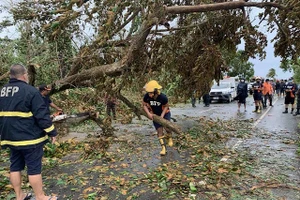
[(55, 24), (192, 187)]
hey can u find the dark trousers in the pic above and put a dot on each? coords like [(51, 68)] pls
[(193, 100), (206, 99), (266, 97), (298, 104), (111, 108)]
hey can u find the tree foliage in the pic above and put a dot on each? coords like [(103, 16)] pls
[(239, 66), (90, 42), (271, 73), (296, 69), (295, 66)]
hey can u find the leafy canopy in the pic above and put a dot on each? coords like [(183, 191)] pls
[(180, 43)]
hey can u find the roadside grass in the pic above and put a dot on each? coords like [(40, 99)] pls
[(202, 167)]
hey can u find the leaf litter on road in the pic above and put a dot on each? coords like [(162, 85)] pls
[(199, 166)]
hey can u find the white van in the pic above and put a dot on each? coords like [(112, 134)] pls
[(224, 92)]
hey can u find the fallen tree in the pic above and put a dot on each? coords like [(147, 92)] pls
[(127, 44)]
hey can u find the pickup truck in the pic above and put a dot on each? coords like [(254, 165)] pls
[(224, 92)]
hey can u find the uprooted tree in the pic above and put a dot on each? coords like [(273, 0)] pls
[(88, 43)]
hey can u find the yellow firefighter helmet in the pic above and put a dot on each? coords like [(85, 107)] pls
[(152, 85)]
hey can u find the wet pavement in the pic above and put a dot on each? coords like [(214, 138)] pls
[(216, 111), (272, 142), (274, 146)]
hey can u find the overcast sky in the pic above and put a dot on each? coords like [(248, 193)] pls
[(261, 68)]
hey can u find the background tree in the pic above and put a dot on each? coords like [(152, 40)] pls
[(271, 73), (295, 66), (239, 66), (296, 69)]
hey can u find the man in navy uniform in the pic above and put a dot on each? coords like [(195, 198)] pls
[(25, 126)]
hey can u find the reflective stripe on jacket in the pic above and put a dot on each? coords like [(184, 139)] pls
[(24, 118)]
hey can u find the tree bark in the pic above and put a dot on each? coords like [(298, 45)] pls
[(136, 110), (220, 6), (165, 123), (75, 79)]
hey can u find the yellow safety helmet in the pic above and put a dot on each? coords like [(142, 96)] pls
[(152, 85)]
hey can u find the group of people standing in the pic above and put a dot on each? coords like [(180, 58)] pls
[(280, 87), (263, 91)]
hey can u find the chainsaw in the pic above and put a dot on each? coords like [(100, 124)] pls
[(58, 116)]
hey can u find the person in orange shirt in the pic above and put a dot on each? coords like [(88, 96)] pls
[(267, 93)]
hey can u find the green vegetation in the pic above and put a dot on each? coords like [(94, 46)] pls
[(271, 73), (240, 66)]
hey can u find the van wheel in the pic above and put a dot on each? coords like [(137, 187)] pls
[(229, 99)]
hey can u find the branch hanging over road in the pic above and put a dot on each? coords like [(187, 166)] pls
[(138, 41), (220, 6)]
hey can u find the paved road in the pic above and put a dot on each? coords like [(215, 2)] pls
[(273, 142), (275, 120), (271, 118), (217, 110)]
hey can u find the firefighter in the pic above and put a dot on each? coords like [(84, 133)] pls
[(25, 126), (257, 94), (155, 102), (290, 90)]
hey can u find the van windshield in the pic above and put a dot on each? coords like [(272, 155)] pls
[(221, 86)]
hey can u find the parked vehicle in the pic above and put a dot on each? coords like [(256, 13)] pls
[(224, 92)]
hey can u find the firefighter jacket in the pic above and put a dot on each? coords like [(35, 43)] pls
[(290, 90), (24, 118), (257, 88)]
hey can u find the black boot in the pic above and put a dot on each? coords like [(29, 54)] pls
[(286, 111), (297, 112)]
